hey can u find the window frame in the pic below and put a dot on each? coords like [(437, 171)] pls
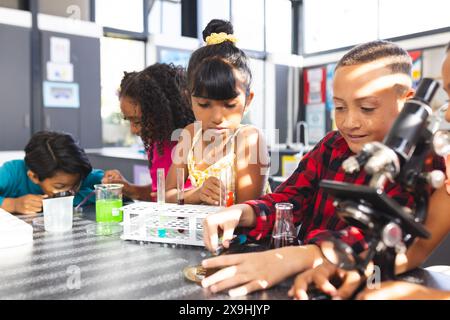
[(302, 29)]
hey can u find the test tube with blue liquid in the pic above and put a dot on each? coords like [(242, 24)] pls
[(161, 200), (180, 192)]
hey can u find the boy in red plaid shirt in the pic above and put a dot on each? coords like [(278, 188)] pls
[(437, 223), (371, 84)]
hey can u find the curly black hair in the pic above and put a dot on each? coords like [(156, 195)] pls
[(160, 91)]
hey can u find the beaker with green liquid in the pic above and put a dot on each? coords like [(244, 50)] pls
[(108, 212), (108, 201)]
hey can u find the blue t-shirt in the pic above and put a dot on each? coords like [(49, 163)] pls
[(15, 183)]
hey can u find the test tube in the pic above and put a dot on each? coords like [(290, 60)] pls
[(180, 192), (161, 186), (284, 232), (223, 180), (180, 186), (229, 196)]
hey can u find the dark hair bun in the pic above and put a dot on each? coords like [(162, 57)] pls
[(217, 26)]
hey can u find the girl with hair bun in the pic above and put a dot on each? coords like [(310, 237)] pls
[(217, 152)]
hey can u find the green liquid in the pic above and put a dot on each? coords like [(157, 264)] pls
[(108, 210)]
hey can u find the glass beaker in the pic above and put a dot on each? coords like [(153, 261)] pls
[(108, 201), (108, 212), (284, 232)]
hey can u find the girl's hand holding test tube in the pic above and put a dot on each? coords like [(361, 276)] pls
[(209, 192)]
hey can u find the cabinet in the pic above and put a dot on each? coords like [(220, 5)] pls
[(15, 87)]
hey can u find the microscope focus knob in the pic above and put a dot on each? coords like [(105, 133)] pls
[(392, 235), (351, 165), (435, 178)]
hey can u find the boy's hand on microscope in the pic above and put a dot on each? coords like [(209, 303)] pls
[(29, 204), (209, 192)]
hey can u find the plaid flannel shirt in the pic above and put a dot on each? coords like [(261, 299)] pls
[(313, 207)]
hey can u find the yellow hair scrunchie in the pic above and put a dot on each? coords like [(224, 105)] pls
[(216, 38)]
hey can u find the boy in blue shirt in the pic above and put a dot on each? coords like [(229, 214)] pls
[(53, 163)]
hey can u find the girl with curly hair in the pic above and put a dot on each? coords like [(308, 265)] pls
[(154, 102)]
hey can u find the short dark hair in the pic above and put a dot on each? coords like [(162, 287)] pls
[(447, 49), (48, 152), (400, 60), (211, 69)]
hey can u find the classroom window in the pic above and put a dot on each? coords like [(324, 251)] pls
[(208, 10), (117, 56), (279, 26), (248, 21), (154, 18), (331, 24), (165, 18), (120, 14), (403, 17)]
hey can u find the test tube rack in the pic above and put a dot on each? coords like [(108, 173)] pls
[(165, 223)]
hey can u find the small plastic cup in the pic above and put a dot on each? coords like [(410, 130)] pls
[(58, 214)]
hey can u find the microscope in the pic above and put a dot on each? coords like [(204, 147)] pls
[(389, 227)]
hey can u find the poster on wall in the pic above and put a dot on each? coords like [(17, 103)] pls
[(329, 86), (175, 56), (314, 85), (329, 93), (61, 95), (316, 119), (416, 71), (59, 50), (62, 72), (59, 68)]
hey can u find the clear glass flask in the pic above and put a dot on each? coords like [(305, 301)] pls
[(284, 232)]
